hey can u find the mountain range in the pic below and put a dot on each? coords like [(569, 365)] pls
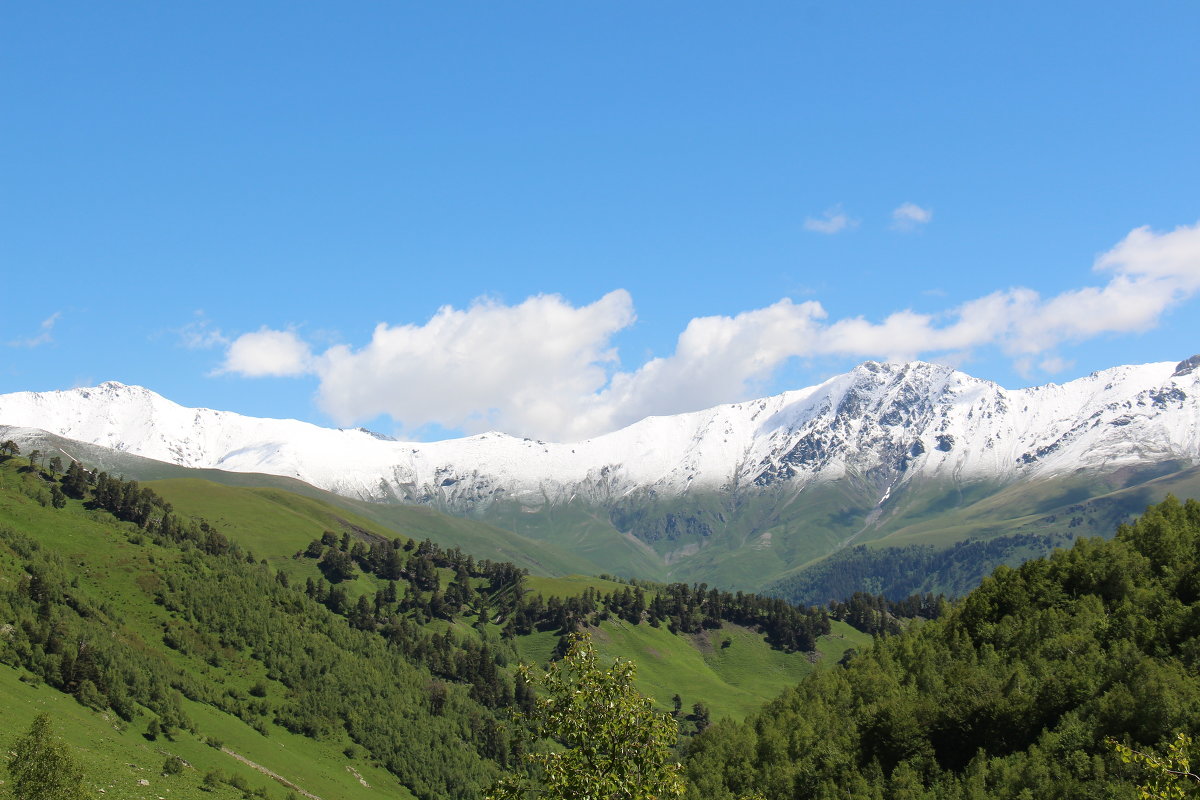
[(743, 495)]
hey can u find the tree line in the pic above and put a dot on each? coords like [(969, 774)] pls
[(497, 592)]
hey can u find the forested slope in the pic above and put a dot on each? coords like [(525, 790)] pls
[(1010, 694), (142, 624), (322, 655)]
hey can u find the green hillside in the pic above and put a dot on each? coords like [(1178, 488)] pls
[(208, 622), (944, 545), (115, 756), (479, 538), (731, 679), (768, 540), (276, 524), (104, 584), (762, 539)]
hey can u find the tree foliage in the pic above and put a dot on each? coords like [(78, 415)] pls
[(1011, 693), (613, 744), (41, 766), (1171, 776)]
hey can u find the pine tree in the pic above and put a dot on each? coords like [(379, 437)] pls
[(75, 481)]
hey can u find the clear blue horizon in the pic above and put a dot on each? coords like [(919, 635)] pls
[(555, 219)]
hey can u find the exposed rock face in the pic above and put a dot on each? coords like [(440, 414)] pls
[(1186, 367)]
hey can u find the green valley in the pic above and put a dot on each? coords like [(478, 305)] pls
[(205, 621)]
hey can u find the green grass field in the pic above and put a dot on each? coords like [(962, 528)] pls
[(570, 585)]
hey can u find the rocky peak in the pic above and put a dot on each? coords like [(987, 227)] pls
[(1186, 367)]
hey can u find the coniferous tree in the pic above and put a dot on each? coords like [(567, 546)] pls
[(75, 482)]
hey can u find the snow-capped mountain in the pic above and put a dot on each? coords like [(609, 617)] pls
[(879, 424)]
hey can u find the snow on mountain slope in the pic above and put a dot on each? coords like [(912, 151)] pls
[(881, 424)]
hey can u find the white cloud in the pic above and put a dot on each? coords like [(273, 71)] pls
[(1052, 364), (716, 360), (268, 353), (45, 333), (910, 216), (834, 220), (546, 368), (532, 368), (199, 334)]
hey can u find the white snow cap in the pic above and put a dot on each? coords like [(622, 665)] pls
[(892, 421)]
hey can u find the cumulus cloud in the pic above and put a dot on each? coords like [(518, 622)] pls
[(834, 220), (268, 353), (45, 333), (717, 359), (531, 368), (910, 216), (546, 368)]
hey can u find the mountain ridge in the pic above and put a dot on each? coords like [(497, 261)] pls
[(737, 494), (878, 422)]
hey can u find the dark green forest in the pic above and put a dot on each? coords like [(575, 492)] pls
[(898, 572), (1011, 693)]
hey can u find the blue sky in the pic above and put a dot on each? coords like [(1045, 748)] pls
[(554, 218)]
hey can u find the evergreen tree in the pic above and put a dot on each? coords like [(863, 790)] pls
[(75, 482)]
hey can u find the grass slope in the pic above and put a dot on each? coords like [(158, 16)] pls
[(481, 539), (968, 531), (732, 681), (115, 757), (119, 574)]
